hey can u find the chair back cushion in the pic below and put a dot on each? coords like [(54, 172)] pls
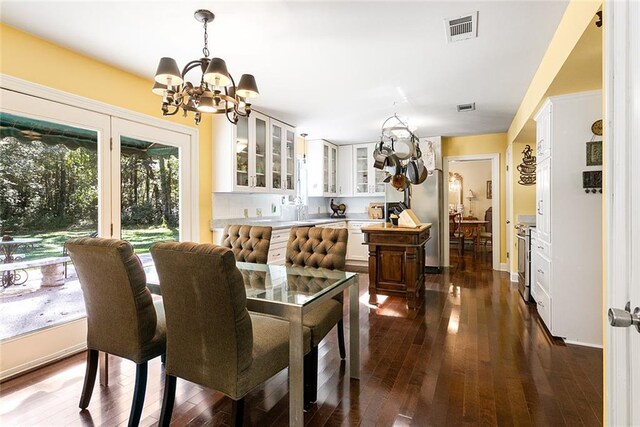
[(121, 316), (248, 243), (488, 216), (209, 332), (317, 247)]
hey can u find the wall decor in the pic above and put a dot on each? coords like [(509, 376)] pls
[(592, 181), (489, 190), (596, 127), (527, 168), (594, 153)]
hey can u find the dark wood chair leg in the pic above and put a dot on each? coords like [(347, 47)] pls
[(167, 400), (138, 394), (310, 377), (237, 413), (89, 378), (343, 353)]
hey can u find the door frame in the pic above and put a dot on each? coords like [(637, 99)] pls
[(37, 348), (508, 174), (620, 206), (495, 202)]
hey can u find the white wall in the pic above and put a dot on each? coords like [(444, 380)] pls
[(232, 205), (475, 174), (354, 204)]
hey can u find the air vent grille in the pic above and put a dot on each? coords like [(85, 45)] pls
[(463, 108), (462, 27)]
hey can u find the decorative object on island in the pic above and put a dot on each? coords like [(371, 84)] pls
[(397, 261), (399, 155), (489, 190), (592, 181), (216, 93), (375, 210), (527, 168), (594, 153), (338, 210)]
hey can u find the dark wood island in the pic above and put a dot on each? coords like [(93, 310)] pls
[(397, 261)]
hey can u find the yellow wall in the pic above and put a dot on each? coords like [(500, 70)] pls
[(484, 144), (31, 58), (523, 196)]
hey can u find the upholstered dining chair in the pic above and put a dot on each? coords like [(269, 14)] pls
[(319, 247), (212, 339), (248, 243), (486, 236), (122, 317), (456, 235)]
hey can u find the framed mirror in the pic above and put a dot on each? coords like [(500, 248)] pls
[(455, 191)]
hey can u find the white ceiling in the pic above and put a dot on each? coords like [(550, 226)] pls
[(333, 69)]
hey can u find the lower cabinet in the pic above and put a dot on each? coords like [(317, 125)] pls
[(356, 250), (278, 247)]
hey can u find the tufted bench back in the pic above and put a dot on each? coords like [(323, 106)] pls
[(248, 243), (317, 247)]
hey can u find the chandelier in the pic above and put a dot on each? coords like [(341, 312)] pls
[(216, 93)]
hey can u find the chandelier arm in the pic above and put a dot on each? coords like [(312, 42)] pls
[(190, 66), (175, 111), (226, 114)]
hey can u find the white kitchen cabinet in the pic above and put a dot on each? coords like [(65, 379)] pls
[(345, 164), (367, 180), (282, 176), (356, 250), (278, 246), (567, 255), (322, 168), (240, 154), (337, 224)]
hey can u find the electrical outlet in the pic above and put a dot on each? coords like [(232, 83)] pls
[(246, 212), (258, 212), (273, 208)]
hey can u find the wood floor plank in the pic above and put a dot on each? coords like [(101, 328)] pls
[(475, 354)]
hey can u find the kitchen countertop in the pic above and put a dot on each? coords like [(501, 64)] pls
[(395, 229), (278, 224)]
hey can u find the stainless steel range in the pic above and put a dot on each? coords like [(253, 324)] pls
[(524, 260)]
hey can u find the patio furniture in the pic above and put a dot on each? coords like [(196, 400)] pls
[(10, 274)]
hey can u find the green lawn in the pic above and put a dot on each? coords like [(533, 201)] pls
[(51, 245)]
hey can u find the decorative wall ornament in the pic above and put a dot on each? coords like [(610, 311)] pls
[(594, 153), (489, 190), (592, 181), (527, 168)]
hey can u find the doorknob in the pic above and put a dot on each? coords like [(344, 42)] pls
[(508, 222), (625, 318)]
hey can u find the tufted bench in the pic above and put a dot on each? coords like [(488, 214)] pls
[(248, 243)]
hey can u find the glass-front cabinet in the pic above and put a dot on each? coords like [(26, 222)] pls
[(322, 168), (367, 180), (283, 155), (263, 152)]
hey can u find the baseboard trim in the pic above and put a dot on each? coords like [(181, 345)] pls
[(582, 343), (514, 277), (503, 266)]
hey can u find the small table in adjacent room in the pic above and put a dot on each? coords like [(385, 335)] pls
[(397, 261)]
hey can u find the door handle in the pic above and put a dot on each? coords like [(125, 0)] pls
[(508, 222), (624, 318)]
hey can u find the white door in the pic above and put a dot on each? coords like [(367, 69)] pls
[(622, 204)]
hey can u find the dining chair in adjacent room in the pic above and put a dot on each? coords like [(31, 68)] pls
[(319, 247), (486, 236), (122, 317), (248, 243), (212, 339), (456, 235)]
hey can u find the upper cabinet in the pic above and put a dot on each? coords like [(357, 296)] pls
[(345, 163), (322, 168), (257, 155), (367, 180), (283, 171)]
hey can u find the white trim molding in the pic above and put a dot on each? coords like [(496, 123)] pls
[(495, 202)]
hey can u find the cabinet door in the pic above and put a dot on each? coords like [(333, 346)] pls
[(290, 163), (356, 251), (361, 168), (334, 170), (377, 175), (345, 166), (261, 138), (325, 168), (243, 174), (277, 165), (543, 196)]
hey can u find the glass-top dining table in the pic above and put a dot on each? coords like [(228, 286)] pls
[(292, 292)]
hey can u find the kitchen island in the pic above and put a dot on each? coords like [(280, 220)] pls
[(397, 261)]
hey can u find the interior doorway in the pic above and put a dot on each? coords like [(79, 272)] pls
[(472, 209)]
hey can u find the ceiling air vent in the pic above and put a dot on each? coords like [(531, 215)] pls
[(462, 27), (463, 108)]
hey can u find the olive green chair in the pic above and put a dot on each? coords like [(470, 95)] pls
[(212, 339), (248, 243), (319, 247), (122, 317)]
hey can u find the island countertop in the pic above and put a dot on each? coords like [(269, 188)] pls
[(388, 227)]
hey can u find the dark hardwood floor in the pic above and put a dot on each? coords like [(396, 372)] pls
[(474, 354)]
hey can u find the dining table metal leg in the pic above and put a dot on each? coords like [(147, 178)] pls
[(296, 369), (354, 328)]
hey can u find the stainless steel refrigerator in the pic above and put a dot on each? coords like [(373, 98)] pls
[(427, 201)]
